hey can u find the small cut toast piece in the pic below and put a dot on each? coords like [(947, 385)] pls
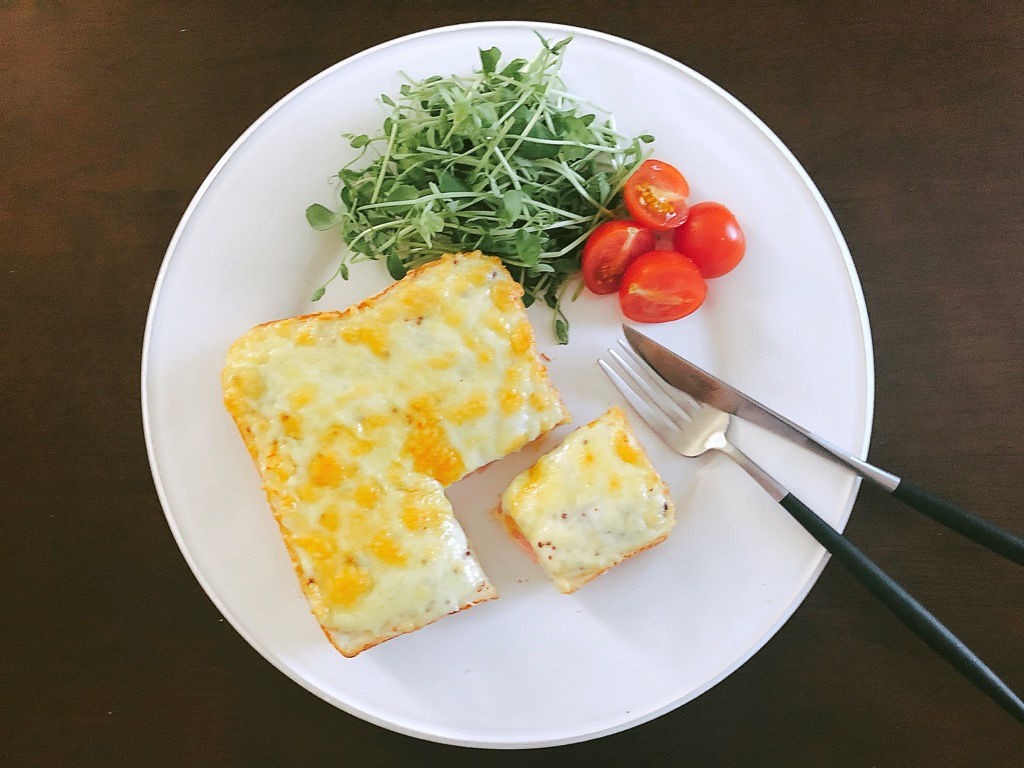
[(358, 419), (589, 504)]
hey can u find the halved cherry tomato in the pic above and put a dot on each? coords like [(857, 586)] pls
[(609, 249), (655, 195), (659, 286), (712, 238)]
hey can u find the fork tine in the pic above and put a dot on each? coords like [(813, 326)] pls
[(684, 400), (655, 417), (654, 392)]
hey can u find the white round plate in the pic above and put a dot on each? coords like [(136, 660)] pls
[(534, 668)]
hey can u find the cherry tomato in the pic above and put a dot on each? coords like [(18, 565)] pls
[(712, 238), (609, 249), (659, 286), (655, 195)]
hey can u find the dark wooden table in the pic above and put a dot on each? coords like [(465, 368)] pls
[(908, 116)]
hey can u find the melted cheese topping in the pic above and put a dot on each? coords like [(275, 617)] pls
[(590, 503), (357, 420)]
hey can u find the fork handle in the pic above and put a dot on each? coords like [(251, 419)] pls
[(947, 513), (905, 606)]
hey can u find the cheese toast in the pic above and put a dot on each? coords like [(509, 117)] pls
[(589, 504), (358, 419)]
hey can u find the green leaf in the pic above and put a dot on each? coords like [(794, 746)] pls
[(448, 182), (513, 69), (395, 266), (360, 141), (533, 150), (320, 217), (462, 116), (511, 206), (561, 328), (490, 244), (560, 45), (528, 247), (489, 59), (487, 114), (318, 293), (566, 265), (400, 193)]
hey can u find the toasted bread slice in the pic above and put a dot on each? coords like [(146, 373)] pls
[(357, 420), (589, 504)]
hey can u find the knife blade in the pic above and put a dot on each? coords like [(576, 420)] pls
[(707, 388), (704, 386)]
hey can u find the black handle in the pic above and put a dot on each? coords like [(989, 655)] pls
[(909, 610), (1007, 544)]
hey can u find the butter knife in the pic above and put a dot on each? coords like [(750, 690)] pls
[(698, 383)]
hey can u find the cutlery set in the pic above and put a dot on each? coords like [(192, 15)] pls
[(691, 411)]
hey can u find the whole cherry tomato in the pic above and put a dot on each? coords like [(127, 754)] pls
[(712, 238)]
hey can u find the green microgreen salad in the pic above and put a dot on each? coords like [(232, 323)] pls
[(505, 161)]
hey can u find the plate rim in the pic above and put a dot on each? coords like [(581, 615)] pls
[(441, 735)]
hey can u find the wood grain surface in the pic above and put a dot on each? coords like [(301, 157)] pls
[(908, 117)]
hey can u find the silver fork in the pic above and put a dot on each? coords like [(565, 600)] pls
[(688, 426), (692, 428)]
